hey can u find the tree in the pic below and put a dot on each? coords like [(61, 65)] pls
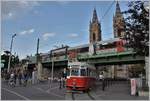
[(137, 27), (5, 57), (14, 59)]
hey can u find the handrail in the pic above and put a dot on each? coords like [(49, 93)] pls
[(106, 54)]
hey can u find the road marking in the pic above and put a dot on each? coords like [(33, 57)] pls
[(49, 92), (16, 94), (52, 88)]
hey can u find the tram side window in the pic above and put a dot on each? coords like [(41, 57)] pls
[(74, 72), (91, 73), (83, 72)]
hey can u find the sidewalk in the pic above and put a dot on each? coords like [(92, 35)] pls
[(119, 90)]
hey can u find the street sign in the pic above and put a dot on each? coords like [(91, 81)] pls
[(133, 86)]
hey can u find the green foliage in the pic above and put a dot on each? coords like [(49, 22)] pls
[(5, 58), (137, 27), (14, 59)]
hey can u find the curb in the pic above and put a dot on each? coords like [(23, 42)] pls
[(143, 93)]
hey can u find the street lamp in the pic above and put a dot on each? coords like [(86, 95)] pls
[(52, 56), (10, 52), (52, 76), (52, 72)]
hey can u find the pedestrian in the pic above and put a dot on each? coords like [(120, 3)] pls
[(64, 76), (25, 76), (103, 81), (60, 80), (15, 76), (34, 76), (29, 77), (100, 77), (11, 80), (20, 77)]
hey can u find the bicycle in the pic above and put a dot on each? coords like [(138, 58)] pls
[(12, 82)]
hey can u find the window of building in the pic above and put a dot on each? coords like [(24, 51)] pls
[(94, 37)]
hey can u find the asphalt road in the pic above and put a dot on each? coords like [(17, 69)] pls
[(43, 91), (32, 92)]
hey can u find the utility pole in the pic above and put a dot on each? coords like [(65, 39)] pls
[(52, 59), (10, 53), (37, 51), (38, 61)]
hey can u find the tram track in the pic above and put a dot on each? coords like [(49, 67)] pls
[(90, 96), (73, 97)]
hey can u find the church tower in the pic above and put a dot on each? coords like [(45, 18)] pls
[(95, 29), (118, 23)]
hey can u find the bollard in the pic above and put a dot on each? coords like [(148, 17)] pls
[(60, 81), (103, 84), (49, 82)]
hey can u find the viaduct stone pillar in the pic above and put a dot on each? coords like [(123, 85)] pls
[(39, 68)]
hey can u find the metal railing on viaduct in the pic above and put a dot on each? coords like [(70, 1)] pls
[(111, 58)]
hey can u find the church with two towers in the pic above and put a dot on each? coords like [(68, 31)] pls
[(95, 33)]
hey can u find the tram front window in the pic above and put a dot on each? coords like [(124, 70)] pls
[(74, 72), (83, 72)]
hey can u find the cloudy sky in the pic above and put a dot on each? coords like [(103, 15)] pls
[(54, 22)]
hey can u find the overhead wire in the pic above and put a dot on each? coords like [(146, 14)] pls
[(107, 10)]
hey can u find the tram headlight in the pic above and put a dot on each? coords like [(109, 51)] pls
[(68, 77)]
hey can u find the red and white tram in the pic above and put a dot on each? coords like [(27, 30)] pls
[(81, 76)]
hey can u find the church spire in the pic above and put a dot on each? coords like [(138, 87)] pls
[(95, 18), (94, 29), (118, 22), (118, 11)]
